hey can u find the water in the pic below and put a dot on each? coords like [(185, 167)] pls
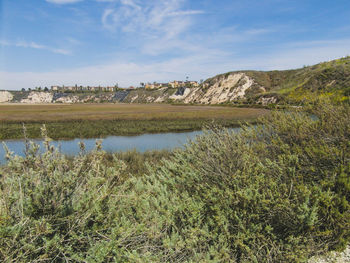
[(141, 143)]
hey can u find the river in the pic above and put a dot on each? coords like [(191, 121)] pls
[(141, 143)]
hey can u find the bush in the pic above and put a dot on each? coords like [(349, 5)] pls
[(276, 192)]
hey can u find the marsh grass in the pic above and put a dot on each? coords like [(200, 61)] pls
[(101, 120)]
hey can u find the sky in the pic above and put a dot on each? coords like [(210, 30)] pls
[(105, 42)]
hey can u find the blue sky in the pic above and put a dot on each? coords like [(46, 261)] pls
[(103, 42)]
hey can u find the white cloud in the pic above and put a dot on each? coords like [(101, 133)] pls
[(147, 18), (199, 65), (158, 23), (186, 13), (4, 43), (34, 45), (104, 18), (130, 3), (124, 73), (61, 2), (298, 54)]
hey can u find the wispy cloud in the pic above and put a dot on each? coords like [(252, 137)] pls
[(186, 13), (105, 17), (165, 27), (61, 2), (159, 21), (149, 17), (34, 45), (130, 3)]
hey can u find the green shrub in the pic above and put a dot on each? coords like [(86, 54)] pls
[(276, 192)]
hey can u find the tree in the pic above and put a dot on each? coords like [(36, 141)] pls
[(23, 89), (46, 89)]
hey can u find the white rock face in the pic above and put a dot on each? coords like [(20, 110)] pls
[(266, 101), (160, 99), (149, 99), (5, 96), (225, 88), (181, 97), (134, 98), (193, 95), (239, 92), (38, 97), (73, 99)]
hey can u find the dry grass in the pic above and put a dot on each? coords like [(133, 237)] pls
[(73, 112)]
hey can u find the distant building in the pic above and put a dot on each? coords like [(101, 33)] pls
[(179, 84), (156, 85), (77, 88), (192, 83), (172, 84)]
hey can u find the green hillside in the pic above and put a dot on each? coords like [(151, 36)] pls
[(330, 80)]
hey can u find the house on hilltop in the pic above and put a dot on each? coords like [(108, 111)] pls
[(181, 84), (173, 84), (156, 85)]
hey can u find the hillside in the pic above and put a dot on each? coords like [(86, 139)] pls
[(329, 80)]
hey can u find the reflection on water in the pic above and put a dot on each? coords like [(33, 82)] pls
[(141, 143)]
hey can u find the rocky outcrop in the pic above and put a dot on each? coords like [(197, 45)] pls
[(181, 94), (220, 89), (121, 95), (65, 98), (38, 97), (5, 96), (68, 99), (149, 96), (267, 100)]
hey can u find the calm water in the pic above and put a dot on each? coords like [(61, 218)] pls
[(141, 143)]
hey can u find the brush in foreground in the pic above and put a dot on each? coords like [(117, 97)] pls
[(278, 192)]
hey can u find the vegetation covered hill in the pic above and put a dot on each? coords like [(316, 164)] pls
[(329, 80), (276, 192)]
